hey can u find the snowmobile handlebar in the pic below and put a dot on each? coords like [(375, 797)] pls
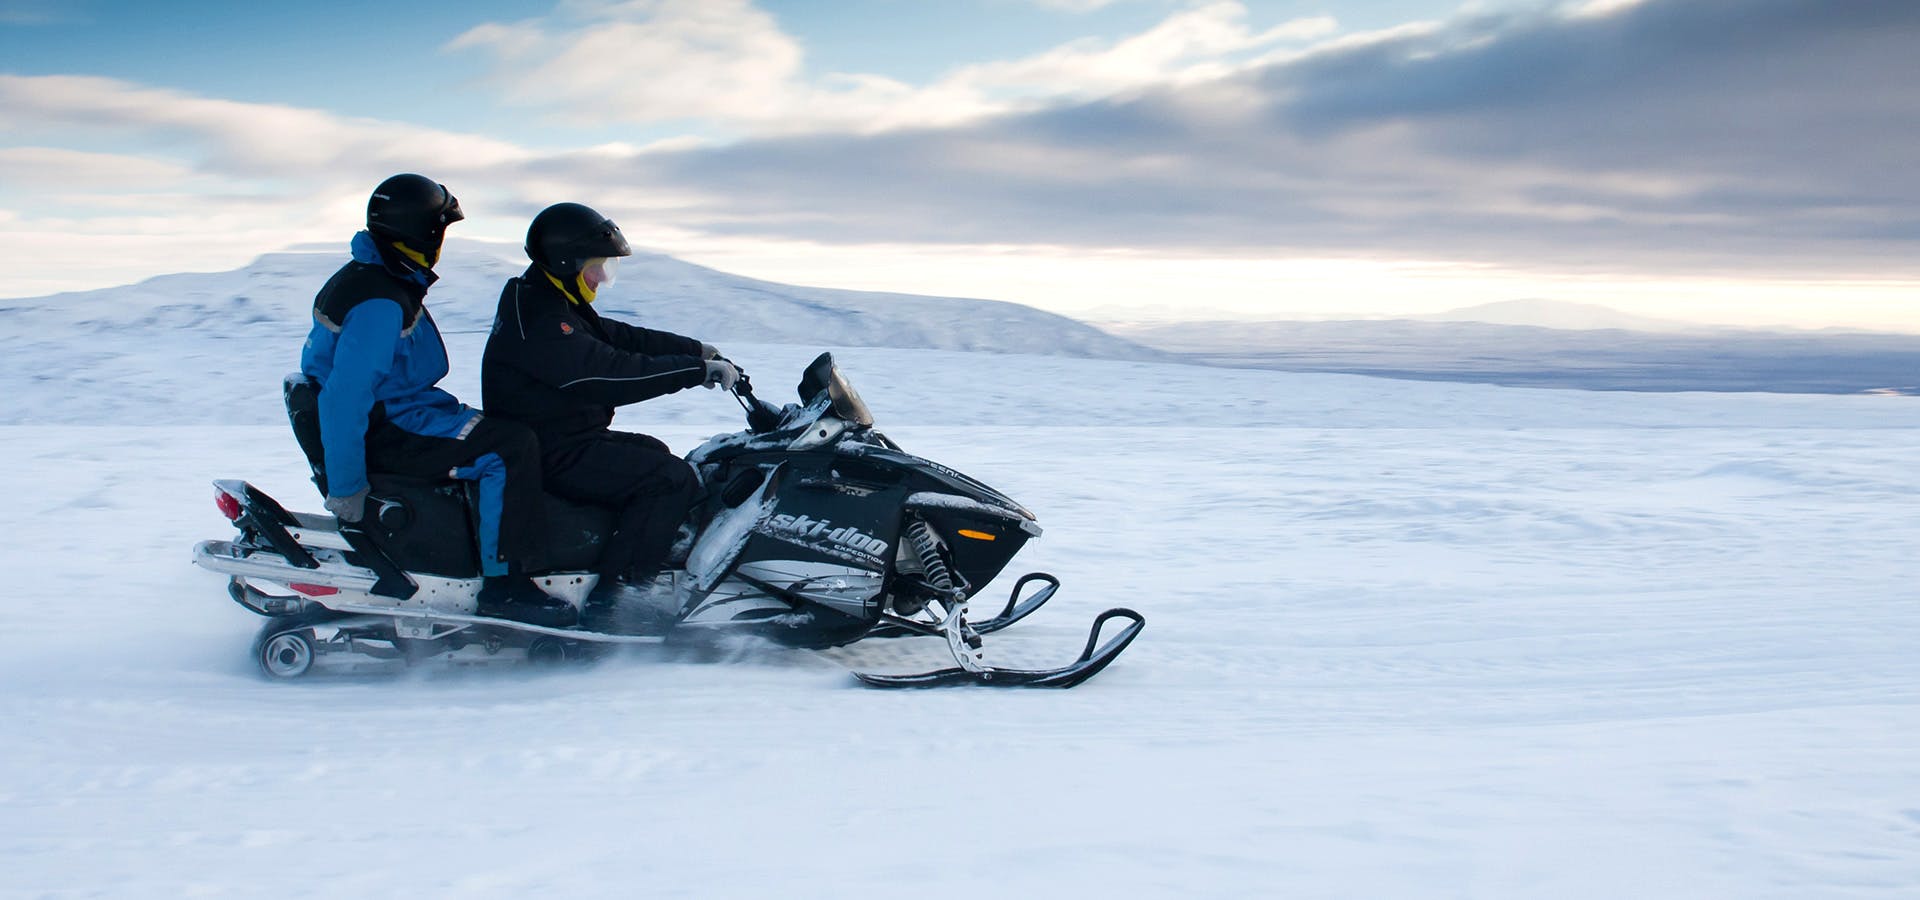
[(761, 416)]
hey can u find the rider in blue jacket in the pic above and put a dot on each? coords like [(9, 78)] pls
[(378, 358)]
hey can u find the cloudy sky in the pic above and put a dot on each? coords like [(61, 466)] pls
[(1743, 161)]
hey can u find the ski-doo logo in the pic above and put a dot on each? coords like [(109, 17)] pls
[(822, 529), (565, 328)]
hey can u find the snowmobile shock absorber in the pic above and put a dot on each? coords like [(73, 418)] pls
[(927, 546), (962, 640)]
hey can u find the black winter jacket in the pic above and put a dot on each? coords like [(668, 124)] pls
[(561, 369)]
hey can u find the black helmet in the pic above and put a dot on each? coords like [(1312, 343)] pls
[(565, 235), (414, 210)]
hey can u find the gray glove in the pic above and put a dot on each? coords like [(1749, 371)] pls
[(350, 508), (721, 373), (709, 351)]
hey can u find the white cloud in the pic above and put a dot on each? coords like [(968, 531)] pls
[(205, 183), (727, 63), (238, 138), (38, 166), (1202, 43), (1596, 9), (648, 60)]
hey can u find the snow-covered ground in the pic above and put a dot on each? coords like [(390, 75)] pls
[(1404, 640)]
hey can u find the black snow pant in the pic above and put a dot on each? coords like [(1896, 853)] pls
[(649, 488), (504, 457)]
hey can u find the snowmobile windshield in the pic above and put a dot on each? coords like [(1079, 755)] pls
[(823, 375), (846, 401)]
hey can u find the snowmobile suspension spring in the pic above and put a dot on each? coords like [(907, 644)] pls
[(928, 547)]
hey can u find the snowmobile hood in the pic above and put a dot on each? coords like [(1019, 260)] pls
[(959, 482)]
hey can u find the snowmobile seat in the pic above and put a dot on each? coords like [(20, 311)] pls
[(423, 525), (429, 525)]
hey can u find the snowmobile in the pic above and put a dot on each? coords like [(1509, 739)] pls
[(814, 530)]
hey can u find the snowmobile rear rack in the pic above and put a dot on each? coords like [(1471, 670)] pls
[(255, 512), (1095, 657), (265, 517)]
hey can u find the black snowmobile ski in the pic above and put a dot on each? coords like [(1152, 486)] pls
[(1016, 610), (1095, 657)]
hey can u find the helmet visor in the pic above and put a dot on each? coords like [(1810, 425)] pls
[(450, 211), (599, 271)]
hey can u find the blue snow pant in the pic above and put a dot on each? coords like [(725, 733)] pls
[(503, 457)]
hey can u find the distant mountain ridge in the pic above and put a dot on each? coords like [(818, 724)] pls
[(275, 292), (1536, 356), (87, 357), (1560, 314)]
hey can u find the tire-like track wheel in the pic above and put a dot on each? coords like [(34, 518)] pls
[(286, 655), (548, 651)]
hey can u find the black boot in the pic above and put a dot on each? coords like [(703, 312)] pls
[(630, 605), (516, 597)]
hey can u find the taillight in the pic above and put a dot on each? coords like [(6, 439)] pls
[(313, 590), (229, 505)]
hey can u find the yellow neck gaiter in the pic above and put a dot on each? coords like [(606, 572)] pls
[(581, 292), (417, 256)]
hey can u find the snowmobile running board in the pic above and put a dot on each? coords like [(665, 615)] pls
[(433, 616), (1095, 657)]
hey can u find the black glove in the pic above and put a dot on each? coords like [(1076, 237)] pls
[(722, 373), (349, 508)]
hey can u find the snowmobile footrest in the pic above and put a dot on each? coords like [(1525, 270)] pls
[(1095, 657), (390, 580)]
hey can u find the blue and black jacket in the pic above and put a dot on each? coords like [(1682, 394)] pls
[(377, 355)]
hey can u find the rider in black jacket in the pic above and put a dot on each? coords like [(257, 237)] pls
[(557, 365)]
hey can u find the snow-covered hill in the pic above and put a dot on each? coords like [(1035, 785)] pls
[(241, 326), (657, 290), (1405, 639)]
